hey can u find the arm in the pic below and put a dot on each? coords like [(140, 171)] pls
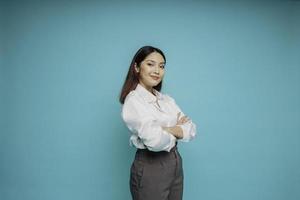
[(188, 127), (140, 122), (174, 130)]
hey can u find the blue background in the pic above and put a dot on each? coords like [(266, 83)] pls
[(232, 66)]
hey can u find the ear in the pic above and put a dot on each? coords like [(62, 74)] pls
[(136, 68)]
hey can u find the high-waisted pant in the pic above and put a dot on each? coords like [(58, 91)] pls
[(156, 175)]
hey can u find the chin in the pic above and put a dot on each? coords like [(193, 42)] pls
[(155, 83)]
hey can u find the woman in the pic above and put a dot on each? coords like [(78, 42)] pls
[(156, 123)]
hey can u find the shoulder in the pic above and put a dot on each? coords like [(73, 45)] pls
[(128, 105), (132, 101), (133, 107), (131, 96), (168, 97), (163, 96)]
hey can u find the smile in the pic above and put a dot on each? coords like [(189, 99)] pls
[(154, 77)]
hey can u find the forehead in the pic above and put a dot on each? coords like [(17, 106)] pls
[(155, 57)]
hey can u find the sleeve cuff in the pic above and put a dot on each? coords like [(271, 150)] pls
[(185, 132), (172, 143), (189, 132)]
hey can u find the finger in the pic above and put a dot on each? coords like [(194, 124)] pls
[(178, 115), (183, 118), (187, 119)]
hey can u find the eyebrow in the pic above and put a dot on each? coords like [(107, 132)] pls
[(154, 61)]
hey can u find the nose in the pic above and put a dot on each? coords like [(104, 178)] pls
[(156, 70)]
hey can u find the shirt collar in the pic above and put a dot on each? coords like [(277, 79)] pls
[(148, 96)]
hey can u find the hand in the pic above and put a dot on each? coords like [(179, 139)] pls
[(182, 120), (177, 130), (174, 130)]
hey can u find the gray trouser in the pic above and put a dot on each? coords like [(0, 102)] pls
[(156, 175)]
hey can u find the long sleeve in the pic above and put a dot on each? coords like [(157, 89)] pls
[(188, 128), (140, 122)]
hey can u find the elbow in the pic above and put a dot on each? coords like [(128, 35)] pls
[(155, 138), (157, 142), (154, 144)]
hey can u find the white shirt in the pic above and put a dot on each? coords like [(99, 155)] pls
[(145, 118)]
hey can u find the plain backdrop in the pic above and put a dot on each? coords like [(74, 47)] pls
[(232, 66)]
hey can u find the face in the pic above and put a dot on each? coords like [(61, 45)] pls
[(151, 70)]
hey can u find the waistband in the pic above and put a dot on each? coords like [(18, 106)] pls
[(155, 153)]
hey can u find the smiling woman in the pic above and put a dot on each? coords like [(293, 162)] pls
[(151, 70), (156, 123)]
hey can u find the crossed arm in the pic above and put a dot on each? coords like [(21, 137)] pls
[(177, 130)]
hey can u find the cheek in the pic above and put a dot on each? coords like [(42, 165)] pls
[(144, 75), (145, 70)]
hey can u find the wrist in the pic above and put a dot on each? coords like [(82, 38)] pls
[(179, 132), (176, 131)]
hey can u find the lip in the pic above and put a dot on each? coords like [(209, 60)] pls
[(155, 77)]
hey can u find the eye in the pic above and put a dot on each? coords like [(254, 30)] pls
[(150, 64), (162, 66)]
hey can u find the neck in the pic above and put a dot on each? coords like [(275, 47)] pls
[(150, 89)]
